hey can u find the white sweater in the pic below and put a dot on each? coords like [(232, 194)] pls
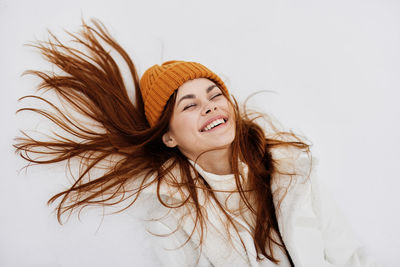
[(313, 230)]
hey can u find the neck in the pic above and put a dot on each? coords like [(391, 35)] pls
[(216, 161)]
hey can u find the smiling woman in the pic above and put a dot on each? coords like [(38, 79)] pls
[(220, 190), (203, 120)]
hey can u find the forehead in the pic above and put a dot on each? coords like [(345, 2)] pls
[(194, 86)]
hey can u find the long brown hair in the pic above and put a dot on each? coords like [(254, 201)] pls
[(116, 134)]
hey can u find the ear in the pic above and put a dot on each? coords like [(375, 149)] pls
[(168, 140)]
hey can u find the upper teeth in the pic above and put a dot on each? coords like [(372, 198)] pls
[(213, 124)]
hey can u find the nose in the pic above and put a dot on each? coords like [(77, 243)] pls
[(209, 108)]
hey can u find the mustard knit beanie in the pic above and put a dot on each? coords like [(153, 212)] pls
[(158, 83)]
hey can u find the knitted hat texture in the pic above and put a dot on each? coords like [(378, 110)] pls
[(158, 83)]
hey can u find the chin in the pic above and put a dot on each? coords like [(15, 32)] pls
[(223, 143)]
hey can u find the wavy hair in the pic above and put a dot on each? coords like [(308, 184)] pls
[(103, 129)]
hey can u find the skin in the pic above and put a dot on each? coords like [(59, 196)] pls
[(198, 101)]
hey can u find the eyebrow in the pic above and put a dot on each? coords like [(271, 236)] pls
[(191, 96)]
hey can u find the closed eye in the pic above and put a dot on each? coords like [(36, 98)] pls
[(216, 95), (189, 106)]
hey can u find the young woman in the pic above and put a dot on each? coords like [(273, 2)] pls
[(220, 190)]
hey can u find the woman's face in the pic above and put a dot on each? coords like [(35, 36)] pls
[(202, 119)]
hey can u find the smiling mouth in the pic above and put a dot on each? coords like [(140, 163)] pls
[(214, 124)]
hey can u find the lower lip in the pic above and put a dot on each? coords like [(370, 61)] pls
[(216, 127)]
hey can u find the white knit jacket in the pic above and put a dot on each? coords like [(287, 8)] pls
[(314, 231)]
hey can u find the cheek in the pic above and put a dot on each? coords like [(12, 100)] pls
[(232, 117), (227, 106), (183, 126)]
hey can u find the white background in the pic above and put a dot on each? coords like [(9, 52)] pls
[(334, 67)]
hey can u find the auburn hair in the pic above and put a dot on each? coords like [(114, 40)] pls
[(117, 138)]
